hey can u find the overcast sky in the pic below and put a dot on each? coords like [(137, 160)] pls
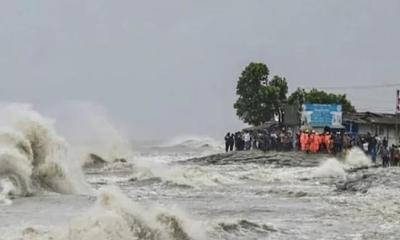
[(169, 67)]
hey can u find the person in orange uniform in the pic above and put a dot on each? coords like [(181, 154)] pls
[(301, 140), (314, 148), (310, 144), (304, 140), (314, 142)]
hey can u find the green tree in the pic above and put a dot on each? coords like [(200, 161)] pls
[(281, 83), (259, 99), (282, 87), (301, 96)]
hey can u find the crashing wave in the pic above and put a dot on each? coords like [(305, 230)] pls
[(115, 216), (193, 143), (333, 167), (95, 161), (175, 150), (92, 131), (181, 176), (32, 156)]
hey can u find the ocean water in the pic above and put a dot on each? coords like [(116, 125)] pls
[(185, 188)]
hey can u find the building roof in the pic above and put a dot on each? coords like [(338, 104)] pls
[(370, 118)]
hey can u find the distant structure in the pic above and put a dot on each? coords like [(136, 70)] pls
[(320, 117), (381, 124)]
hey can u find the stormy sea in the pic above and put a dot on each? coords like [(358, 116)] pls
[(184, 188)]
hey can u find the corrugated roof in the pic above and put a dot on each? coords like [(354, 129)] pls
[(370, 118)]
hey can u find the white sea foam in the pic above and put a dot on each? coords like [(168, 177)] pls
[(330, 168), (357, 158), (115, 216), (333, 167), (193, 176), (7, 188), (33, 156), (194, 142), (90, 129)]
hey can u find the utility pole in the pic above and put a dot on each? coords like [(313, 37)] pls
[(397, 128), (397, 115)]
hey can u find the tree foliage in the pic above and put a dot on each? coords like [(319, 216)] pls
[(281, 83), (301, 96), (259, 99)]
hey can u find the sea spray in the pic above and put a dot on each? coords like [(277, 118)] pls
[(115, 216), (189, 176), (158, 164), (90, 129), (7, 189), (333, 167), (16, 167), (330, 168), (193, 142), (33, 156), (357, 158)]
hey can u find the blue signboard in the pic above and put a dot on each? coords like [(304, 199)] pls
[(322, 115)]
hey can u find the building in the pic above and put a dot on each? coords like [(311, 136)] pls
[(382, 124)]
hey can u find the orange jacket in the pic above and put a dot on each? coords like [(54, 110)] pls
[(315, 143), (311, 139), (303, 141)]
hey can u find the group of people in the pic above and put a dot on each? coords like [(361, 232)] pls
[(240, 140), (262, 140), (314, 142), (375, 146), (310, 141)]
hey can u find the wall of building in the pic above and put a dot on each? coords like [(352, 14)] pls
[(382, 131)]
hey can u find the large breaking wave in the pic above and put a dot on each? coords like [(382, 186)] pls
[(332, 167), (115, 216), (32, 156)]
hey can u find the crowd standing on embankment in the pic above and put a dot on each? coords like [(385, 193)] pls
[(310, 141)]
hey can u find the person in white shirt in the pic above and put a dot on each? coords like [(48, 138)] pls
[(247, 140)]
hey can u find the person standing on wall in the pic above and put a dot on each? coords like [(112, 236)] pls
[(231, 142), (227, 139), (247, 141), (385, 156), (372, 146)]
